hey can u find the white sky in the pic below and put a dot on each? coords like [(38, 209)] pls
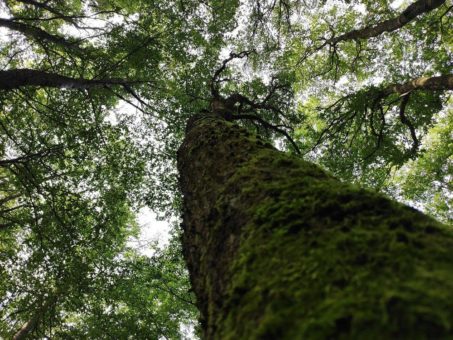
[(151, 231), (396, 4)]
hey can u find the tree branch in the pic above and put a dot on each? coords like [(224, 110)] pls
[(406, 121), (44, 6), (218, 72), (370, 103), (33, 322), (410, 13), (38, 34), (439, 83), (14, 79), (26, 158)]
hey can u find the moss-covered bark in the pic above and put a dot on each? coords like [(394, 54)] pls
[(279, 249)]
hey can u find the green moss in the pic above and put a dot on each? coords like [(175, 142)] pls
[(322, 259), (286, 251)]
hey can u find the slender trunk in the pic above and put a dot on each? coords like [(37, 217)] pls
[(279, 249), (13, 79), (410, 13)]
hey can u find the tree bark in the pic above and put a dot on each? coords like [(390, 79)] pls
[(279, 249), (13, 79), (410, 13), (439, 83)]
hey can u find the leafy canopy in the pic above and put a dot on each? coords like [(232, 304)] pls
[(90, 138)]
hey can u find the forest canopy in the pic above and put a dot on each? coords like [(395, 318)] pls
[(94, 98)]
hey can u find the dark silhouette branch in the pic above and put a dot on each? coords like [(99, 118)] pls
[(58, 14), (42, 5), (413, 11), (6, 199), (406, 121), (236, 106), (237, 98), (380, 136), (46, 7), (38, 34), (8, 210), (374, 105), (14, 79), (141, 102), (218, 72)]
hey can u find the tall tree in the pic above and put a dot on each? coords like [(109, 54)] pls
[(279, 249), (94, 96)]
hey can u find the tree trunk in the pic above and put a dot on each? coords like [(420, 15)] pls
[(279, 249), (439, 83)]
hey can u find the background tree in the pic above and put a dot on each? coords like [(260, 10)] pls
[(74, 172)]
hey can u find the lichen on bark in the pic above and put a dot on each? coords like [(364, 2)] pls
[(279, 249)]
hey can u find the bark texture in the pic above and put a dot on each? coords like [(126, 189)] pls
[(279, 249), (439, 83)]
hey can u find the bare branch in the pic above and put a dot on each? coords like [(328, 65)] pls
[(218, 72), (29, 157)]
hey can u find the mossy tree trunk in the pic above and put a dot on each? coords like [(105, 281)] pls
[(279, 249)]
